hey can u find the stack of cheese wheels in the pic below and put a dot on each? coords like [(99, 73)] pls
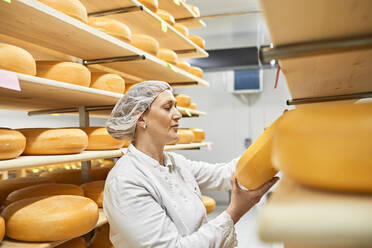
[(74, 243), (100, 139), (111, 27), (68, 72), (43, 219), (199, 135), (183, 100), (192, 106), (183, 65), (185, 136), (145, 43), (94, 190), (166, 16), (254, 167), (327, 146), (2, 228), (152, 5), (74, 176), (73, 8), (10, 185), (197, 40), (194, 9), (196, 71), (107, 81), (167, 55), (44, 141), (182, 29), (12, 143), (13, 58), (47, 189), (101, 238), (209, 204)]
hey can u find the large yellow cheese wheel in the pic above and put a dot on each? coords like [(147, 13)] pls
[(183, 100), (101, 238), (197, 40), (328, 146), (145, 43), (74, 243), (43, 141), (192, 105), (196, 71), (194, 9), (254, 167), (74, 176), (100, 139), (199, 135), (68, 72), (2, 228), (126, 143), (185, 136), (73, 8), (209, 204), (13, 58), (183, 65), (111, 27), (108, 81), (12, 143), (152, 5), (166, 16), (10, 185), (167, 55), (52, 218), (182, 29), (47, 189), (94, 190)]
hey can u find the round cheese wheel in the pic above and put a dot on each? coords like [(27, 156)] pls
[(68, 72), (107, 81), (12, 143), (108, 164), (196, 71), (111, 27), (192, 105), (194, 9), (73, 8), (183, 100), (74, 243), (327, 146), (145, 43), (13, 58), (185, 136), (2, 228), (152, 5), (199, 41), (199, 135), (47, 189), (43, 219), (74, 176), (126, 143), (209, 204), (167, 55), (44, 141), (100, 139), (166, 16), (101, 238), (182, 29), (183, 65), (94, 190)]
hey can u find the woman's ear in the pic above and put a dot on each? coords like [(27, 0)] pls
[(141, 122)]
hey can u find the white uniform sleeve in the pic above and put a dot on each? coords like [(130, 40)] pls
[(134, 212)]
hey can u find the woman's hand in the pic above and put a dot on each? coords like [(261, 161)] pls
[(243, 200)]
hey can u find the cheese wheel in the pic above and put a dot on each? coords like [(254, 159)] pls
[(182, 29), (68, 72), (13, 58), (74, 243), (44, 141), (183, 65), (111, 27), (197, 40), (199, 135), (145, 43), (94, 190), (209, 204), (2, 228), (47, 189), (194, 9), (254, 167), (74, 176), (152, 5), (12, 143), (43, 219), (196, 71), (183, 100), (10, 185), (185, 136), (166, 16), (126, 143), (107, 81), (101, 238), (192, 105), (108, 164), (327, 146), (167, 55), (100, 139), (73, 8)]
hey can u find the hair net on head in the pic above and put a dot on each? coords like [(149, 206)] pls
[(122, 122)]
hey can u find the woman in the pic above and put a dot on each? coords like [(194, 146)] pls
[(152, 198)]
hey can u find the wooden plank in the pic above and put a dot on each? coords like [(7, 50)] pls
[(296, 214), (179, 11), (192, 23)]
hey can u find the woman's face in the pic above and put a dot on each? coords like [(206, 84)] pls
[(162, 119)]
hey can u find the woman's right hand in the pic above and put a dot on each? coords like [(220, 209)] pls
[(243, 200)]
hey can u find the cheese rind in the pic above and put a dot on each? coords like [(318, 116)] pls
[(145, 43), (152, 5), (100, 139), (12, 143), (167, 55), (209, 204), (196, 71), (197, 40), (2, 228), (185, 136), (74, 176), (73, 8), (199, 135), (193, 106), (184, 65), (182, 29), (13, 58), (166, 16), (111, 27), (107, 81), (94, 190), (183, 100)]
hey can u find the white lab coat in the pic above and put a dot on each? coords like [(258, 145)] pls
[(149, 205)]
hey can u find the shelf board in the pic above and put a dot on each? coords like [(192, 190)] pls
[(192, 22), (8, 243), (177, 11), (296, 214)]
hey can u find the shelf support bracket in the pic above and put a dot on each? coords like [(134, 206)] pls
[(185, 51), (329, 98), (114, 59), (71, 110), (117, 11)]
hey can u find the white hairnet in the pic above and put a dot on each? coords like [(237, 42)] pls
[(122, 122)]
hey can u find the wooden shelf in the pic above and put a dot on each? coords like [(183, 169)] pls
[(296, 214), (187, 146), (8, 243), (192, 22), (193, 112)]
